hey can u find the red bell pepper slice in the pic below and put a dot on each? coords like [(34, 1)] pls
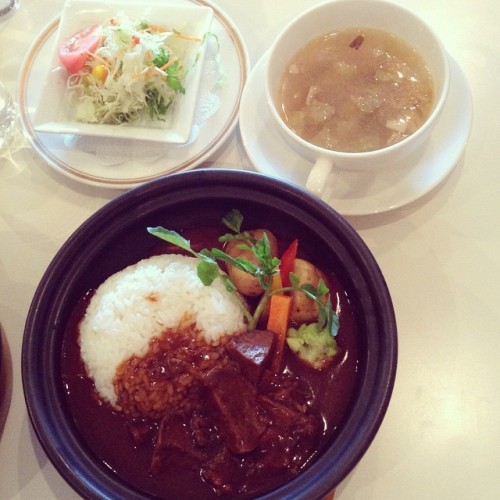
[(287, 262)]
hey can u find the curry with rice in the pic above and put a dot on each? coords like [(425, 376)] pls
[(224, 413)]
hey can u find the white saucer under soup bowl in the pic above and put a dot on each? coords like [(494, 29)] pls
[(360, 193)]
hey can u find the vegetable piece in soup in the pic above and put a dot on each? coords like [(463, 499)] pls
[(355, 90)]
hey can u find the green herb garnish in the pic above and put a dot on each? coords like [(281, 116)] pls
[(208, 270), (156, 104), (173, 78), (162, 58)]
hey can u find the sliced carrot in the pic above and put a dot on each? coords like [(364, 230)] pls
[(276, 284), (173, 60), (188, 38), (156, 28), (279, 315), (273, 287)]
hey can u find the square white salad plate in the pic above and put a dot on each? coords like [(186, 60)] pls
[(54, 113)]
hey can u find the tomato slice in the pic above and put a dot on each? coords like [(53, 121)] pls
[(74, 52)]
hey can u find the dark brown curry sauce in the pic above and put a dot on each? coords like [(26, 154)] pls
[(108, 433)]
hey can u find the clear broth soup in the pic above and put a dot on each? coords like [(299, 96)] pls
[(356, 90)]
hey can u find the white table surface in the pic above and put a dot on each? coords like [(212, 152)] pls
[(440, 255)]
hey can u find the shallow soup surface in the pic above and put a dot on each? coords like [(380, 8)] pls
[(356, 90)]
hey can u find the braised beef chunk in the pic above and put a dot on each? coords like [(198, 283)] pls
[(238, 434), (252, 351), (290, 439), (222, 471), (233, 400), (175, 446), (203, 431), (246, 425), (295, 393), (141, 432)]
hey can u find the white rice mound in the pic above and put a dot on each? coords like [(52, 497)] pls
[(142, 301)]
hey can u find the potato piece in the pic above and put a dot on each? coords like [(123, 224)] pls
[(305, 310), (246, 284)]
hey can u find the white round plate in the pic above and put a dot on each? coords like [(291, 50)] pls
[(360, 193), (123, 164)]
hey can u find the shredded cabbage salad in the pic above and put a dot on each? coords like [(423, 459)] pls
[(135, 72)]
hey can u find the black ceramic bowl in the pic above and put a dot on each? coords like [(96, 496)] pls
[(5, 379), (115, 236)]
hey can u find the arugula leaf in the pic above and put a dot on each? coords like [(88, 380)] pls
[(245, 237), (208, 270), (233, 220), (262, 250), (327, 320), (162, 58), (171, 237), (230, 286)]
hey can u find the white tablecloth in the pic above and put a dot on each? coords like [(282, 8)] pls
[(440, 255)]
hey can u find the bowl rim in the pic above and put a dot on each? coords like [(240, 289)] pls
[(47, 416), (6, 379)]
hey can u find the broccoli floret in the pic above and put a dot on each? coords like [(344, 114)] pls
[(315, 347)]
